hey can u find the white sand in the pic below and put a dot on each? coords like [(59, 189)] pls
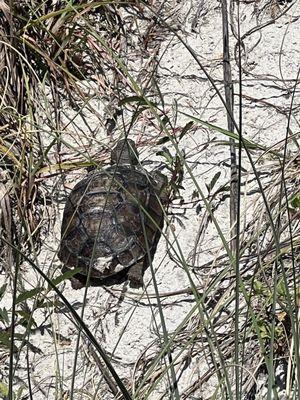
[(132, 329)]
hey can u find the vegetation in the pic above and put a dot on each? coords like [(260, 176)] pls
[(77, 75)]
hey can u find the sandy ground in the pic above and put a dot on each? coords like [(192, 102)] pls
[(125, 321)]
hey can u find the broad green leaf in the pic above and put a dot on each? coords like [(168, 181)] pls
[(166, 154), (3, 390), (5, 340), (185, 130), (213, 181), (26, 318), (295, 201), (163, 140), (258, 287), (28, 295), (4, 315)]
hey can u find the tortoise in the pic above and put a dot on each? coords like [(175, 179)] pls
[(112, 221)]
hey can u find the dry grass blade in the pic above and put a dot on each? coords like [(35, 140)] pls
[(75, 77), (6, 229)]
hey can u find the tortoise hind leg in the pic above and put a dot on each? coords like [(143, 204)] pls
[(77, 280), (135, 275), (136, 271)]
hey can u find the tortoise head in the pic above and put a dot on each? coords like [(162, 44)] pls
[(125, 152), (161, 185)]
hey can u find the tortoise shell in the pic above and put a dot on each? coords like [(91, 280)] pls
[(113, 219)]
